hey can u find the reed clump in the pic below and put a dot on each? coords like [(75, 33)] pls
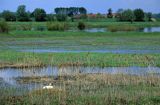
[(4, 27), (116, 28), (57, 26)]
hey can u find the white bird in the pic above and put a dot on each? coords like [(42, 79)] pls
[(48, 87)]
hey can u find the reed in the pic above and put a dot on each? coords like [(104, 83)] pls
[(95, 89), (116, 28)]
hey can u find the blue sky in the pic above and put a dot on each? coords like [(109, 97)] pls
[(93, 6)]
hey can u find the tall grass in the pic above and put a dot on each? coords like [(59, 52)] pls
[(19, 59), (4, 28), (92, 89), (116, 28), (57, 26)]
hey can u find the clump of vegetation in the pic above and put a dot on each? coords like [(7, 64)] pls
[(114, 28), (22, 15), (4, 28), (39, 14), (26, 27), (56, 26), (139, 15), (126, 15), (40, 28), (9, 16), (61, 17), (81, 26)]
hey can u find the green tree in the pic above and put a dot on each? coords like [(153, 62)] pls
[(9, 16), (110, 15), (39, 14), (149, 16), (22, 15), (139, 15), (126, 15)]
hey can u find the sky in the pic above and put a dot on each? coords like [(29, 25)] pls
[(93, 6)]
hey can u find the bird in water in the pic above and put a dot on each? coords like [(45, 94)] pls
[(48, 87)]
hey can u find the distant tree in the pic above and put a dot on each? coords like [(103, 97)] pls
[(83, 10), (39, 14), (119, 11), (110, 15), (139, 15), (22, 15), (149, 16), (74, 10), (9, 16), (156, 15), (0, 15), (126, 15)]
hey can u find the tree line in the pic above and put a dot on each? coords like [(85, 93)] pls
[(40, 14), (62, 14)]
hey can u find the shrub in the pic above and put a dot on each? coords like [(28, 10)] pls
[(139, 15), (122, 28), (40, 28), (61, 17), (40, 14), (126, 15), (26, 27), (56, 26), (9, 16), (4, 28), (81, 26)]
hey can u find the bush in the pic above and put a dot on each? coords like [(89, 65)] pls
[(4, 28), (61, 17), (41, 28), (40, 14), (126, 15), (81, 26), (122, 28), (9, 16), (139, 15), (26, 27), (56, 26)]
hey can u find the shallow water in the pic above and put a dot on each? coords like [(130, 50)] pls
[(150, 29), (9, 74), (116, 51), (146, 29)]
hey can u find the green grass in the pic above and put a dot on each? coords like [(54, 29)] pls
[(19, 40), (80, 40), (18, 59), (95, 23)]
